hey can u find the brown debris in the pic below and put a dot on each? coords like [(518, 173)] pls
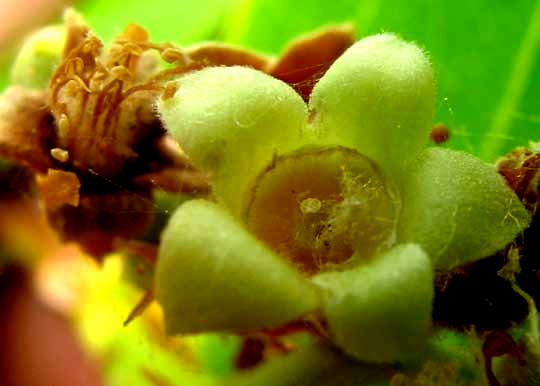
[(251, 353), (521, 169), (58, 188), (440, 133), (258, 347)]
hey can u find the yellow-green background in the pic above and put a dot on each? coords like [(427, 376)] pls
[(485, 51)]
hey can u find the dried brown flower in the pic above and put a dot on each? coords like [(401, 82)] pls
[(94, 138), (93, 135), (521, 168)]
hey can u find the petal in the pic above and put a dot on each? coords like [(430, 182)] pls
[(458, 208), (378, 98), (214, 276), (231, 121), (381, 311)]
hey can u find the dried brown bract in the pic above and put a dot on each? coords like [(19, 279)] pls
[(308, 57), (521, 168), (303, 62)]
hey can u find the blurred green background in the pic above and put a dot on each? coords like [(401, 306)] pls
[(485, 52), (486, 56)]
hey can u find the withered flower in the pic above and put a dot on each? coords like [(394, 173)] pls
[(93, 138)]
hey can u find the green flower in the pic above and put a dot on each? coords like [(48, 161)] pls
[(38, 57), (334, 209)]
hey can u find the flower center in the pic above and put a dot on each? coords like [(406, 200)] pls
[(319, 206)]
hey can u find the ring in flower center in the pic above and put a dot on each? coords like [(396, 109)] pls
[(319, 206)]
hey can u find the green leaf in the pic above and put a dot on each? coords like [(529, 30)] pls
[(381, 311), (212, 275), (485, 54), (458, 208)]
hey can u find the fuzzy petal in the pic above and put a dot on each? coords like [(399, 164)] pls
[(458, 208), (231, 121), (381, 311), (214, 276), (378, 98)]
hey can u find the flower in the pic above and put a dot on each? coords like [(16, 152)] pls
[(82, 119), (331, 210)]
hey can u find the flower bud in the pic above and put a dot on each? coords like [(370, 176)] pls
[(39, 57)]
